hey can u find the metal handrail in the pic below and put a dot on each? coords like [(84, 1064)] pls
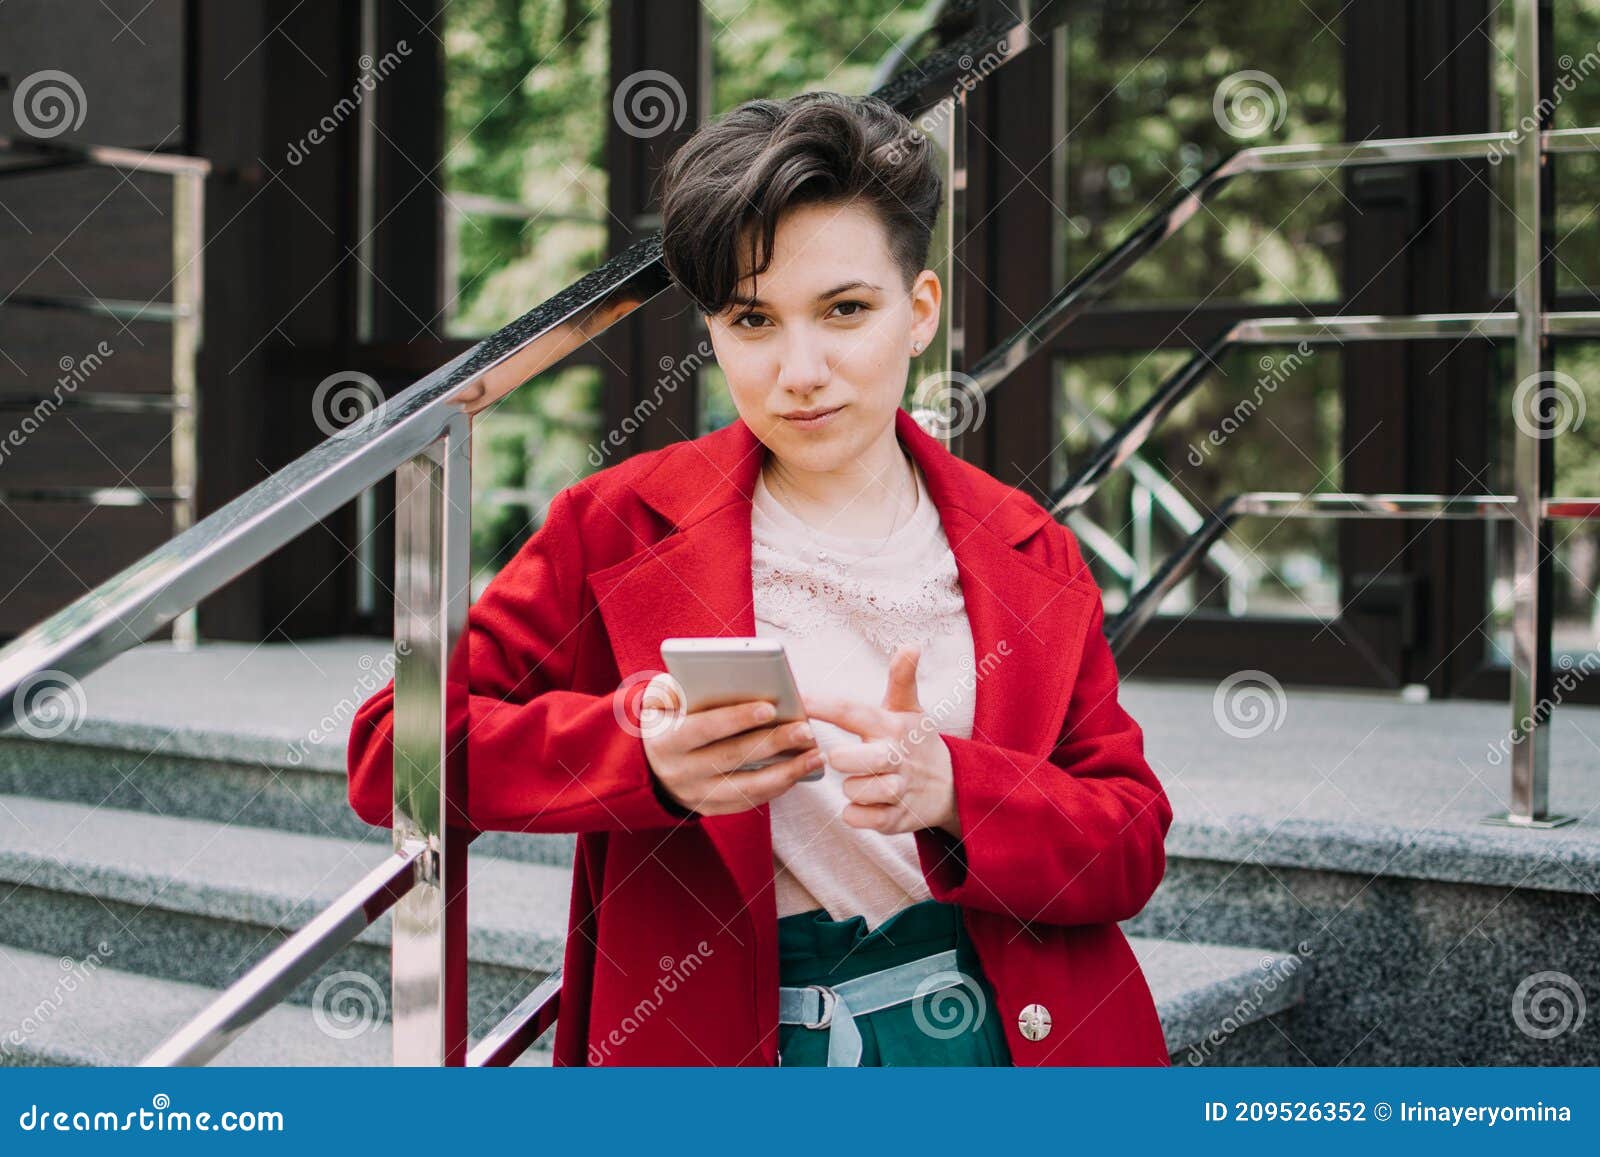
[(1143, 605), (1136, 430), (278, 973), (1088, 287)]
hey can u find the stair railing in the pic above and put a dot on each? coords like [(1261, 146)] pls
[(184, 312)]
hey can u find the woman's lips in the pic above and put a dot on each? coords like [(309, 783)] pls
[(819, 421)]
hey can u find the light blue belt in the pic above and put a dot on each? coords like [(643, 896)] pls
[(835, 1007)]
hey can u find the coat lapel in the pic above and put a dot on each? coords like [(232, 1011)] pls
[(1028, 621)]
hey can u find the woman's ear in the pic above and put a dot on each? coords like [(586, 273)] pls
[(926, 296)]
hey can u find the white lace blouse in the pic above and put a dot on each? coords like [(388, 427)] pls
[(842, 606)]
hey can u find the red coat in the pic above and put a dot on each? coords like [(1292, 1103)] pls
[(671, 956)]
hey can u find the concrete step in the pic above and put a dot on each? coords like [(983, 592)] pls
[(200, 902), (227, 732), (1214, 1002), (186, 906), (1347, 826), (108, 1017)]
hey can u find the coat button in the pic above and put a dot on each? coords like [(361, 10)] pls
[(1034, 1021)]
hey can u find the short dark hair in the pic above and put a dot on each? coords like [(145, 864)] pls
[(744, 169)]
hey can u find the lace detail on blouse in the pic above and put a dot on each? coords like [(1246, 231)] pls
[(889, 611)]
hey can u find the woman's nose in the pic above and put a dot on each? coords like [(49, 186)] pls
[(803, 367)]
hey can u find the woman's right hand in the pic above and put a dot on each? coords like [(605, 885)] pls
[(694, 754)]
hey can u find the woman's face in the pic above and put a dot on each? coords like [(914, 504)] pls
[(830, 328)]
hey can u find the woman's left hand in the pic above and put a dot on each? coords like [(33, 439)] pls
[(899, 778)]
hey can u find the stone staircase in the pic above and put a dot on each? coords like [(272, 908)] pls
[(197, 814)]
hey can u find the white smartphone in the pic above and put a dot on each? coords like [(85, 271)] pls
[(718, 670)]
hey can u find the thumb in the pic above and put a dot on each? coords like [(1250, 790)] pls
[(902, 693)]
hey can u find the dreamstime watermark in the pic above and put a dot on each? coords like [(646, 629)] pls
[(1249, 703), (673, 973), (48, 704), (1547, 1004), (374, 674), (73, 973), (675, 372), (372, 71), (932, 121), (1572, 73), (74, 372), (1561, 684), (954, 1006), (948, 403), (1274, 372), (1275, 973), (346, 403), (1551, 394), (1249, 103), (657, 717), (49, 103), (649, 103), (930, 718), (347, 1004)]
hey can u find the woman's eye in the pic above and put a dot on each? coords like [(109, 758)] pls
[(860, 306), (737, 322)]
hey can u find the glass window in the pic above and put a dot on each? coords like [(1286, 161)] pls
[(777, 48), (1266, 419), (1151, 104), (1575, 614), (526, 448), (1575, 97), (523, 190), (523, 179)]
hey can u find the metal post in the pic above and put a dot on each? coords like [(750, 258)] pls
[(429, 947), (188, 294), (936, 373), (1530, 529)]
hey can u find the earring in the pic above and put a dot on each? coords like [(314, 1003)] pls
[(916, 347)]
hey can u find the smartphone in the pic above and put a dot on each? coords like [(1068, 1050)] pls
[(716, 671)]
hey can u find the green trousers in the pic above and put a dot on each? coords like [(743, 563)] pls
[(957, 1025)]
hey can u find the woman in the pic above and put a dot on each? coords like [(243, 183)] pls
[(949, 891)]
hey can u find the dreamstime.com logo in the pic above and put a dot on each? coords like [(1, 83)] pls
[(649, 103), (74, 973), (1249, 104), (375, 673), (955, 1005), (346, 403), (1273, 973), (1551, 395), (49, 103), (372, 71), (48, 704), (1249, 703), (671, 974), (948, 404), (348, 1004), (74, 372), (662, 706), (160, 1117), (1548, 1004)]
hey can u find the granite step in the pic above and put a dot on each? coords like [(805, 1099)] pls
[(191, 904), (200, 902), (230, 732), (109, 1017), (195, 774)]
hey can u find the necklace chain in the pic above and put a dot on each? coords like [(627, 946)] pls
[(821, 551)]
